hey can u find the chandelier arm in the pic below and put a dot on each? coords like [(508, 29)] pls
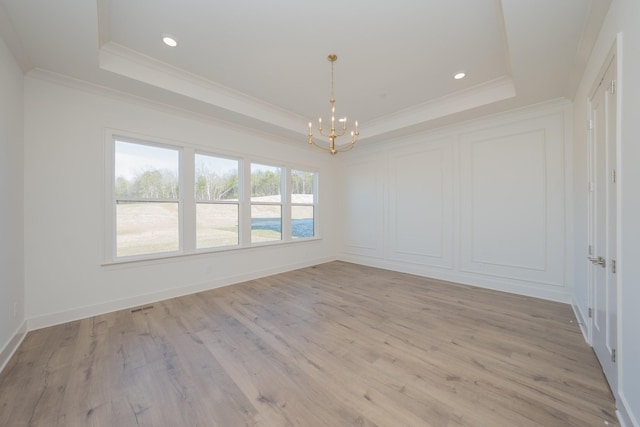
[(324, 134), (345, 147), (333, 133), (322, 147), (339, 148)]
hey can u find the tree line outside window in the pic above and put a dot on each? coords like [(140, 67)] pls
[(149, 205)]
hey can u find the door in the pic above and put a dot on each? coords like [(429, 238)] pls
[(603, 211)]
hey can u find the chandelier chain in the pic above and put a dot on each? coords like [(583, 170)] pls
[(332, 97)]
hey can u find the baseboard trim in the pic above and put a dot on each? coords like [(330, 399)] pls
[(495, 283), (625, 417), (51, 319), (582, 322), (12, 345)]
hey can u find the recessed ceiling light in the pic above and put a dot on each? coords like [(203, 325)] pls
[(169, 40), (459, 76)]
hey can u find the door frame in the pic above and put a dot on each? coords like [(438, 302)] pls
[(615, 54)]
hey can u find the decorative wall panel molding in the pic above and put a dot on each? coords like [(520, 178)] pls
[(421, 205), (480, 203), (512, 201), (363, 208)]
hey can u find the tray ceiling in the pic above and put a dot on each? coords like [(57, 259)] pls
[(263, 64)]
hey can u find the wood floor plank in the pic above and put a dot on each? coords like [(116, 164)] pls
[(43, 365), (331, 345), (87, 377)]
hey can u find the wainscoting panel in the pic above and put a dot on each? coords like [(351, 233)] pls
[(480, 203), (511, 201), (363, 212), (421, 205)]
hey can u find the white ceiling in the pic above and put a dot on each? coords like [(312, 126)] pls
[(262, 64)]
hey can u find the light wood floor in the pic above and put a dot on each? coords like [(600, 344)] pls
[(332, 345)]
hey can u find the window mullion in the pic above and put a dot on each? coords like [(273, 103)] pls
[(245, 205), (286, 204), (109, 249), (317, 222), (187, 199), (143, 199)]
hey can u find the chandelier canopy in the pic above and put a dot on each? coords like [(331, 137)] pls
[(331, 146)]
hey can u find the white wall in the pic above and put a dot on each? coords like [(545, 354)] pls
[(11, 204), (65, 125), (482, 203), (622, 18)]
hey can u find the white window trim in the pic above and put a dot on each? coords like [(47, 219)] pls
[(281, 203), (187, 202), (239, 203), (110, 242), (314, 205)]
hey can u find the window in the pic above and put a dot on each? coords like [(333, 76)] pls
[(147, 199), (266, 203), (167, 199), (302, 204), (217, 201)]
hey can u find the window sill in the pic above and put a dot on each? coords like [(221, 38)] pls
[(202, 253)]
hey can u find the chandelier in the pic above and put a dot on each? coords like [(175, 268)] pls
[(333, 134)]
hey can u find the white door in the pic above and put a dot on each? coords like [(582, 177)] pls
[(603, 208)]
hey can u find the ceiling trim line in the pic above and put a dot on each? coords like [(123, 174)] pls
[(129, 63), (168, 108), (477, 96), (14, 44)]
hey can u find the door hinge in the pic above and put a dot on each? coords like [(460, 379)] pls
[(613, 87), (613, 176), (590, 312), (613, 265), (590, 124), (590, 250), (613, 355)]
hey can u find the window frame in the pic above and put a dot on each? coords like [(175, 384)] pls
[(314, 204), (187, 202), (238, 203), (114, 199), (281, 203)]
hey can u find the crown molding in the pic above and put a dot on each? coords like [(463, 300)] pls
[(11, 39), (126, 62), (271, 133), (597, 12), (486, 93), (132, 64)]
